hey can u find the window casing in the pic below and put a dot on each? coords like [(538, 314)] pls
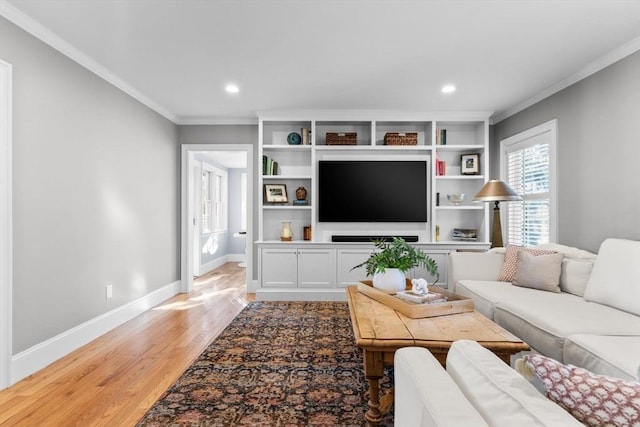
[(214, 199), (528, 166)]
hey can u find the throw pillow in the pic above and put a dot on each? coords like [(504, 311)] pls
[(594, 400), (510, 265), (539, 271)]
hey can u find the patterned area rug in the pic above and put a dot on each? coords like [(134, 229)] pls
[(276, 364)]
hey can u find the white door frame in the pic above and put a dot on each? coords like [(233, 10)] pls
[(6, 226), (187, 214)]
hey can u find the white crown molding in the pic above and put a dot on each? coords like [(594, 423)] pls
[(36, 29), (216, 120), (591, 68)]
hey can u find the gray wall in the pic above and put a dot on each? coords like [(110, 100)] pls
[(229, 134), (96, 193), (598, 153)]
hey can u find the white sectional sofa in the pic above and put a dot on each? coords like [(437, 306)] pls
[(592, 322)]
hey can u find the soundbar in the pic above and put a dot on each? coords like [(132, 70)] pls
[(368, 238)]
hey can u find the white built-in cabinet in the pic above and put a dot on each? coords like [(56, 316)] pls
[(321, 269)]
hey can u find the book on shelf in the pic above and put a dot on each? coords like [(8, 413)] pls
[(441, 167), (269, 166), (441, 136)]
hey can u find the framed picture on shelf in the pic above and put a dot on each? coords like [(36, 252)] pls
[(275, 193), (470, 164)]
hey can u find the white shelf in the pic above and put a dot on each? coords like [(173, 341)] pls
[(277, 177), (460, 177), (282, 147), (459, 147), (463, 207), (374, 147), (285, 207)]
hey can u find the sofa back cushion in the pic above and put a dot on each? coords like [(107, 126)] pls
[(501, 395), (576, 267), (615, 277)]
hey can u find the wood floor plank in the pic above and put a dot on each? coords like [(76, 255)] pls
[(116, 378)]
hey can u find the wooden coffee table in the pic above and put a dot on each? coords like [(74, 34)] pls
[(380, 331)]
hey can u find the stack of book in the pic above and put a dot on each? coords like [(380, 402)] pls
[(269, 166), (441, 137), (441, 167)]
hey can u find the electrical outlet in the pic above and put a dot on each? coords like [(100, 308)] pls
[(108, 291)]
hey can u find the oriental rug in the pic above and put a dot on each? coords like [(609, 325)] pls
[(276, 364)]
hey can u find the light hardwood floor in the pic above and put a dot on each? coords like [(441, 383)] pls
[(115, 379)]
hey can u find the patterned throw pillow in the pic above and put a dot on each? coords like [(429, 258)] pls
[(510, 265), (594, 400)]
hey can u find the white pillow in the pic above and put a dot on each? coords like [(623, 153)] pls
[(501, 395), (575, 276), (615, 277)]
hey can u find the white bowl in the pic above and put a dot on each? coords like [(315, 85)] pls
[(456, 199)]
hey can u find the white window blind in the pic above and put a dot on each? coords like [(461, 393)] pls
[(528, 170)]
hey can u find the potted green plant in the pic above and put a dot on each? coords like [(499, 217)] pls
[(391, 260)]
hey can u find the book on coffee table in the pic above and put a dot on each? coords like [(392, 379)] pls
[(431, 297)]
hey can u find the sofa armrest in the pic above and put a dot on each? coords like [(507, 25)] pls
[(426, 396), (473, 266)]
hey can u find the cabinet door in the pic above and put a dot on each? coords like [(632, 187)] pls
[(316, 268), (347, 258), (279, 268), (441, 260)]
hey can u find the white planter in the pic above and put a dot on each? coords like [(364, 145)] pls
[(391, 281)]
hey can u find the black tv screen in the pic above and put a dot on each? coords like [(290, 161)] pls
[(372, 191)]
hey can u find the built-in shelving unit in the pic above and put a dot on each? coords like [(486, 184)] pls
[(466, 133)]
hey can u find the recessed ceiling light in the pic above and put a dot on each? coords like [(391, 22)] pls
[(448, 89), (231, 88)]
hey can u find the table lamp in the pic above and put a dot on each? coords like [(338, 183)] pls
[(496, 191)]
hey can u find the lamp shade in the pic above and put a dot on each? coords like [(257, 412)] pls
[(496, 191)]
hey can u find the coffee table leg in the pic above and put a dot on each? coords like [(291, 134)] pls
[(373, 372)]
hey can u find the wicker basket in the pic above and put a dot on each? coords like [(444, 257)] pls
[(396, 138), (349, 138)]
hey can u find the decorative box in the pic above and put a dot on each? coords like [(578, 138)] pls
[(397, 138), (347, 138)]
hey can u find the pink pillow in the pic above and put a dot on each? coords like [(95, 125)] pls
[(510, 265), (594, 400)]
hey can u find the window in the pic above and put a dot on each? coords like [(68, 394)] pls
[(214, 199), (528, 166)]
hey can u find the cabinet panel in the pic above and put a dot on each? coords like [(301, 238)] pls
[(279, 268), (441, 259), (316, 268), (346, 259)]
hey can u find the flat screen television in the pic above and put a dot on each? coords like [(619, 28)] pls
[(372, 191)]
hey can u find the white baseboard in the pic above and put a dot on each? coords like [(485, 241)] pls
[(218, 262), (40, 355)]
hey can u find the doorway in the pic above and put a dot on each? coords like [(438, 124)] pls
[(193, 157)]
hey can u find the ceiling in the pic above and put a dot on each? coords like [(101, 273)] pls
[(176, 56)]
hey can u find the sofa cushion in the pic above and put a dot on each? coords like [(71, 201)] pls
[(501, 395), (595, 400), (617, 356), (544, 319), (539, 272), (510, 265), (615, 278), (438, 403), (576, 267), (487, 293)]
